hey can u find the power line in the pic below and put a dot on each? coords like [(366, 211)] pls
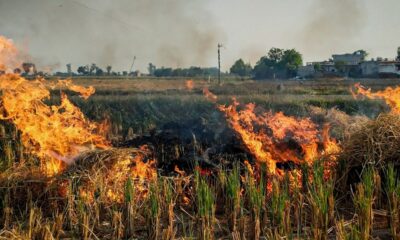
[(111, 17)]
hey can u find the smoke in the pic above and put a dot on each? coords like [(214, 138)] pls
[(333, 25), (175, 33)]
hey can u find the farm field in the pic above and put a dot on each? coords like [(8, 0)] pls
[(172, 159)]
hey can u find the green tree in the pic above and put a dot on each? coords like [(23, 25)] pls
[(291, 60), (362, 52), (109, 67), (340, 66), (240, 68), (278, 63), (317, 67)]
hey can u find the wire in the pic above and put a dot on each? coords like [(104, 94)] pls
[(111, 17)]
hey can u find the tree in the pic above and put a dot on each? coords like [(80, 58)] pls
[(29, 68), (317, 67), (278, 63), (362, 52), (69, 69), (275, 54), (240, 68), (109, 69), (99, 71), (84, 70), (92, 68), (291, 60), (340, 66), (151, 68), (163, 72)]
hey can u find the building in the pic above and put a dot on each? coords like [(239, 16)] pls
[(369, 68), (353, 65), (389, 68), (306, 71), (350, 58)]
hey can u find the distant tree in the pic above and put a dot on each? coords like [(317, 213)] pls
[(99, 71), (340, 66), (17, 71), (240, 68), (362, 52), (29, 68), (151, 68), (317, 67), (69, 71), (92, 68), (291, 60), (163, 72), (195, 71), (278, 63), (275, 54), (84, 70), (109, 69)]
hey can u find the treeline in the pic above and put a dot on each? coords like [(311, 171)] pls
[(278, 63), (184, 72)]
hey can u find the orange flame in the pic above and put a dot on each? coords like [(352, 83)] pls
[(276, 138), (54, 133), (189, 85), (390, 95), (84, 92), (209, 95), (8, 54)]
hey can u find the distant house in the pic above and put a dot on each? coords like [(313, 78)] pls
[(389, 68), (306, 71), (353, 65), (349, 58), (369, 68)]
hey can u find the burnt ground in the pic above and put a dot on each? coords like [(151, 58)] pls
[(191, 143)]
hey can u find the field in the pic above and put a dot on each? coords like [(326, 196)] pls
[(180, 167)]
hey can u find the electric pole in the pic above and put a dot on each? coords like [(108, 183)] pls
[(133, 62), (219, 63)]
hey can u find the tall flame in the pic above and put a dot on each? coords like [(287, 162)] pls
[(56, 134), (189, 84), (390, 95), (8, 54), (277, 138)]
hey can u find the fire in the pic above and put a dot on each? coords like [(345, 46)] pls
[(53, 133), (135, 168), (84, 92), (58, 134), (390, 95), (143, 171), (277, 138), (209, 95), (8, 54), (189, 85)]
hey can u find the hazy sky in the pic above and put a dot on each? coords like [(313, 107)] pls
[(181, 33)]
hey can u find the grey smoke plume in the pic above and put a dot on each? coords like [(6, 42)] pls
[(175, 33), (333, 25)]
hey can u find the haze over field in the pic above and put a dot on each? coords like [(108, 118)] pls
[(181, 33)]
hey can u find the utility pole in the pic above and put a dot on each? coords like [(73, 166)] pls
[(133, 62), (219, 63)]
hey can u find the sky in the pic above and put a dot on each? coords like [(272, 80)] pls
[(183, 33)]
